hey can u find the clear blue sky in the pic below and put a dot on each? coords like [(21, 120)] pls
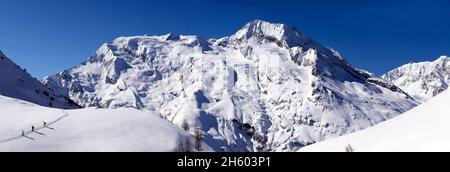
[(47, 36)]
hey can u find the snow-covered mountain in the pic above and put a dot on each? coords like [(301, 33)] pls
[(422, 80), (424, 128), (17, 83), (89, 129), (269, 87)]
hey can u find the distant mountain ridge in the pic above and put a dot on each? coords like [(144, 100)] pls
[(17, 83), (422, 129), (422, 80)]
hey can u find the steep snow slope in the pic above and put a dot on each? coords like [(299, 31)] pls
[(17, 83), (267, 88), (85, 129), (424, 128), (422, 80)]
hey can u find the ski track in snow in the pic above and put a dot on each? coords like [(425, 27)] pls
[(37, 129), (86, 130)]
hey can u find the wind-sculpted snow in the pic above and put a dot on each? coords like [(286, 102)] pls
[(266, 88)]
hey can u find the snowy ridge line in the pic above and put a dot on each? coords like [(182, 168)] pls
[(37, 129), (422, 80), (18, 83)]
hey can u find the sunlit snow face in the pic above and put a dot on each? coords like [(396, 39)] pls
[(289, 93)]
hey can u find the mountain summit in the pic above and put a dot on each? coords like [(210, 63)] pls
[(287, 36), (269, 87)]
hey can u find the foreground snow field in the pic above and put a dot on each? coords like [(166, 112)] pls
[(424, 128), (85, 129)]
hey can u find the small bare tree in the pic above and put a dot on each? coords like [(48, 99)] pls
[(262, 140), (180, 147), (198, 139), (185, 125), (349, 148), (187, 145)]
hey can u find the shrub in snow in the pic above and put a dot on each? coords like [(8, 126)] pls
[(349, 148)]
